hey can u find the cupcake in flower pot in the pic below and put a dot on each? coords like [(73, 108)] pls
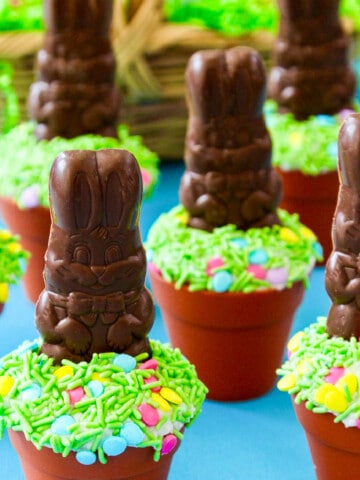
[(12, 263), (322, 372), (74, 104), (312, 87), (94, 397), (227, 267)]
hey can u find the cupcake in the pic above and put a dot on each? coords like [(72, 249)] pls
[(74, 104), (312, 87), (94, 397), (322, 371), (227, 266), (12, 262)]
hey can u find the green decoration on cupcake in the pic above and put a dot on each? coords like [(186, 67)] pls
[(21, 15), (12, 258), (27, 184), (229, 259)]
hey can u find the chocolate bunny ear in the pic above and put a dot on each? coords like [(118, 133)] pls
[(61, 15), (74, 189), (225, 83), (349, 152), (121, 184)]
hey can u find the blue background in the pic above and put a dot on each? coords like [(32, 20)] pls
[(253, 440)]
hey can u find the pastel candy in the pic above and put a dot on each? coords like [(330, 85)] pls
[(60, 425), (150, 364), (75, 395), (168, 444), (64, 371), (132, 433), (277, 276), (124, 361), (334, 374), (258, 257), (257, 271), (96, 387), (170, 395), (150, 416), (30, 197), (222, 281), (32, 392), (86, 457), (6, 384), (114, 446), (212, 264)]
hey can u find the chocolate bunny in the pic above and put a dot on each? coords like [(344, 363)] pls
[(75, 92), (94, 298), (311, 73), (343, 267), (229, 178)]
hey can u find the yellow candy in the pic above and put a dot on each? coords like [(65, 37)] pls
[(4, 292), (96, 376), (288, 235), (350, 380), (336, 401), (294, 342), (307, 233), (287, 383), (64, 371), (170, 395), (6, 384), (303, 366), (295, 139), (4, 234), (14, 247), (183, 217), (163, 404), (323, 391)]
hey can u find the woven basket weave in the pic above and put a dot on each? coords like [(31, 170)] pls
[(152, 55)]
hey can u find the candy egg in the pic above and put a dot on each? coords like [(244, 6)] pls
[(277, 276), (96, 388), (287, 382), (294, 342), (288, 235), (149, 415), (114, 446), (170, 395), (146, 177), (295, 139), (222, 281), (150, 364), (332, 149), (168, 444), (239, 242), (124, 361), (4, 292), (132, 434), (212, 264), (323, 119), (257, 271), (258, 257), (64, 371), (6, 384), (60, 425), (32, 392), (86, 457), (75, 395), (334, 374), (29, 198), (336, 401)]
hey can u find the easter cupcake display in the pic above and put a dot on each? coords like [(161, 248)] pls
[(322, 372), (227, 266), (74, 104), (94, 397), (313, 87)]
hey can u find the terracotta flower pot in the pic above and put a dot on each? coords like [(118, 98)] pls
[(335, 449), (133, 464), (33, 227), (314, 199), (235, 340)]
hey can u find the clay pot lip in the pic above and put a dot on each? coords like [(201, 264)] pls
[(322, 187), (323, 427), (264, 309), (38, 209), (55, 463)]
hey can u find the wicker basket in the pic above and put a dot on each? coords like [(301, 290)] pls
[(152, 55)]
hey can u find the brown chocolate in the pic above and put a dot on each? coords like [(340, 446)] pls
[(343, 267), (311, 73), (229, 178), (94, 298), (75, 93)]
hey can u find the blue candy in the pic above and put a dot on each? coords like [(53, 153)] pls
[(96, 388), (86, 457), (239, 242), (31, 392), (61, 424), (258, 257), (222, 281), (124, 361), (332, 149), (114, 446), (318, 248), (132, 433), (325, 120)]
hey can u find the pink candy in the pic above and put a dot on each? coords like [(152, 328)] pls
[(168, 444), (213, 263), (153, 268), (146, 177), (150, 364), (257, 271), (335, 374), (149, 415), (76, 394), (152, 379)]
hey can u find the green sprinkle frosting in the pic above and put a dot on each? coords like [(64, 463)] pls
[(37, 398), (12, 258), (324, 372), (26, 162), (229, 259), (308, 145)]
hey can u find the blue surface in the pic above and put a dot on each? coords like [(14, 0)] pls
[(253, 440)]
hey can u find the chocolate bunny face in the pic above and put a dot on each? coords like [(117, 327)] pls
[(95, 234), (95, 299)]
